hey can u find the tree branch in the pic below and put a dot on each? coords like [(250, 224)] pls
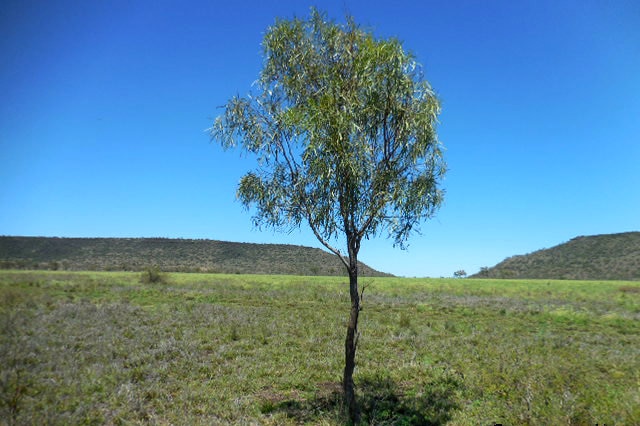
[(364, 286), (326, 244)]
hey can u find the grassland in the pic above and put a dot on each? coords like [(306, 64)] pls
[(104, 348)]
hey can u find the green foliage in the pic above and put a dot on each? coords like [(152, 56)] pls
[(598, 257), (344, 128), (102, 348)]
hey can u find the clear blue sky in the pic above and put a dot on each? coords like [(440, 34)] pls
[(104, 107)]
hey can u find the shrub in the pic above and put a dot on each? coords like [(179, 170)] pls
[(153, 275)]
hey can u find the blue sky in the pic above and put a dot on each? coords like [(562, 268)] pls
[(105, 106)]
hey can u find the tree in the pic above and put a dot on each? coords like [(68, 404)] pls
[(460, 273), (343, 126)]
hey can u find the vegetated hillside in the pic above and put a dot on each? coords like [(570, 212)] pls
[(134, 254), (598, 257)]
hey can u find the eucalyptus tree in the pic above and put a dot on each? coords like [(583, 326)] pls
[(343, 126)]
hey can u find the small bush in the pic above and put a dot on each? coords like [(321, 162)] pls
[(629, 289), (153, 275)]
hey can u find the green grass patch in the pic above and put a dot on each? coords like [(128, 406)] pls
[(106, 348)]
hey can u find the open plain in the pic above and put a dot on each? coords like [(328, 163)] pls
[(112, 348)]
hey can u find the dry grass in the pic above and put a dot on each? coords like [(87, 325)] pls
[(103, 348)]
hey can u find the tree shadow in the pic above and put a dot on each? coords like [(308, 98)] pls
[(382, 402)]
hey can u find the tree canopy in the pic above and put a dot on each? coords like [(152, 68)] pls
[(344, 127)]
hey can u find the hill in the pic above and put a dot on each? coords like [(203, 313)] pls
[(183, 255), (597, 257)]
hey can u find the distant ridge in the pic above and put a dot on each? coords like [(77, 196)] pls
[(597, 257), (178, 255)]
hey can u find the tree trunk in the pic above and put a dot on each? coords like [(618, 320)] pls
[(351, 342)]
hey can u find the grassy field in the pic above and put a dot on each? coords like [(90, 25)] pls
[(104, 348)]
